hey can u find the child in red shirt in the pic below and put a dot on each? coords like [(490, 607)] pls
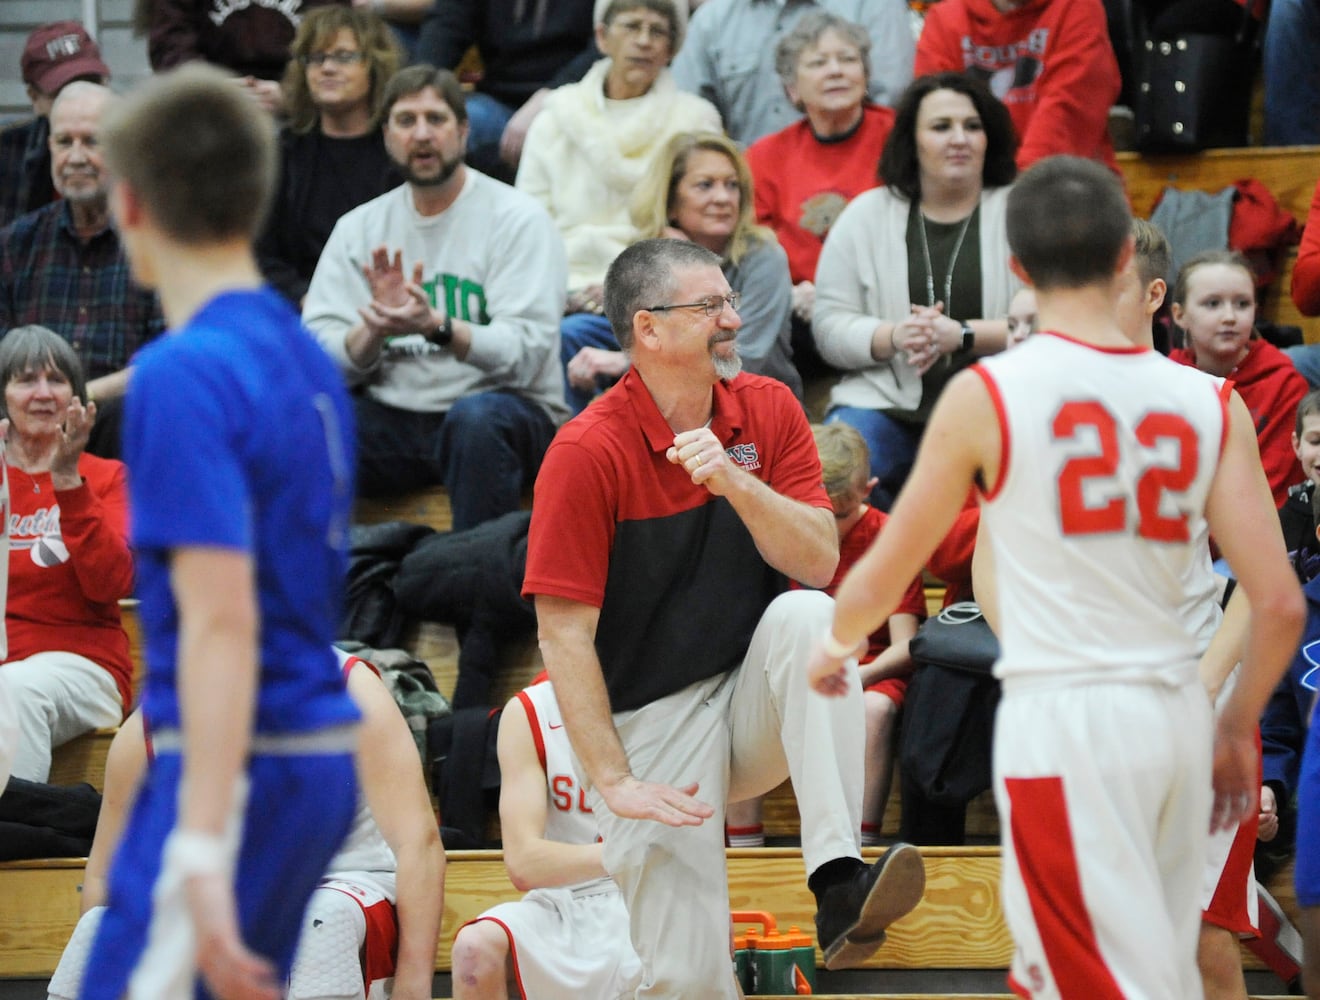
[(886, 665)]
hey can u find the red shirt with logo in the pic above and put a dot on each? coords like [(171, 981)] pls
[(69, 565), (674, 571)]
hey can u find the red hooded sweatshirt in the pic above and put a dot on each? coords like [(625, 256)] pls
[(1306, 272), (1049, 61), (1270, 386)]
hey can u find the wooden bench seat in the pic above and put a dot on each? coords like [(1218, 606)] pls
[(38, 910), (428, 506), (82, 759), (1289, 172), (957, 925)]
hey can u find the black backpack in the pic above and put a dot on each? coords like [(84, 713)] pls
[(949, 708)]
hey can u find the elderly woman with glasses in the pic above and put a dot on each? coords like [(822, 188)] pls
[(594, 140), (913, 281), (332, 153), (806, 173), (699, 189)]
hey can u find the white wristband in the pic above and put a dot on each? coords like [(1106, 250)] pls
[(191, 852), (834, 648)]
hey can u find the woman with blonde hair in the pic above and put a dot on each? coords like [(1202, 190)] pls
[(700, 189), (332, 154)]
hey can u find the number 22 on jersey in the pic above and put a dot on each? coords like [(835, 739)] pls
[(1154, 430)]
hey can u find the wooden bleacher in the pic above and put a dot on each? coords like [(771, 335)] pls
[(1290, 173), (957, 926)]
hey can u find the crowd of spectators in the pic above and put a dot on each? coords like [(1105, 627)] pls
[(458, 175)]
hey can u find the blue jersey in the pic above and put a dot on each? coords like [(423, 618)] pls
[(238, 435)]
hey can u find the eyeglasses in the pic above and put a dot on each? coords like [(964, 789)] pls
[(340, 57), (647, 28), (712, 306)]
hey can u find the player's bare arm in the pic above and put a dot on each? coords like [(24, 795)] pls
[(1246, 527), (983, 578), (125, 762), (1225, 649), (390, 774), (533, 861), (795, 538), (566, 633), (961, 441), (896, 659), (215, 593)]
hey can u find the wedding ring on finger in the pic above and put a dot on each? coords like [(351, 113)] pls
[(696, 459)]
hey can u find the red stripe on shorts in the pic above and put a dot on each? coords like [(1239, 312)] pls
[(1230, 906), (1042, 841)]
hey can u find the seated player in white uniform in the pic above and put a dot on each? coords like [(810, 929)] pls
[(568, 937), (384, 889)]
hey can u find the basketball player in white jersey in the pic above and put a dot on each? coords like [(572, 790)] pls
[(371, 926), (1228, 890), (568, 937), (1100, 466)]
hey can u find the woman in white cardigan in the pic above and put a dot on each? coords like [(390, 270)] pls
[(913, 282), (594, 140)]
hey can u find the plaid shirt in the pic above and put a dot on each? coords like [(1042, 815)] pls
[(25, 183), (81, 290)]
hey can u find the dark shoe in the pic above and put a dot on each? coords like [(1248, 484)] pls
[(853, 915)]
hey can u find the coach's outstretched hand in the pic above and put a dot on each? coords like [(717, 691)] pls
[(666, 804)]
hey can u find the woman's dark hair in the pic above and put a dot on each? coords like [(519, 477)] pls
[(899, 167), (34, 348)]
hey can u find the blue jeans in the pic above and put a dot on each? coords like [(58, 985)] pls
[(485, 451), (487, 118), (1292, 73), (1306, 359), (576, 331), (893, 446)]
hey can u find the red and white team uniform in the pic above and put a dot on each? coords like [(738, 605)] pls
[(351, 914), (1228, 890), (567, 941), (1102, 743)]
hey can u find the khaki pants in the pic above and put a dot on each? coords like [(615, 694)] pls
[(738, 735)]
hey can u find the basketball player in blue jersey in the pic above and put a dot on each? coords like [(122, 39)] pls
[(238, 439), (1100, 467)]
